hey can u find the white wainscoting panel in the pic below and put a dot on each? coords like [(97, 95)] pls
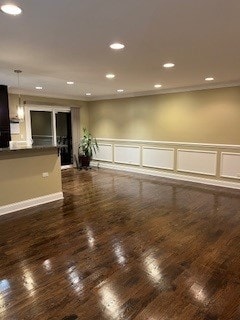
[(155, 157), (127, 154), (104, 153), (197, 161), (230, 165)]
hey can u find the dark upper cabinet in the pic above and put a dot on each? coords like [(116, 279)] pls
[(5, 136)]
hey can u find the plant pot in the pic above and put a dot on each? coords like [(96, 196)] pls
[(84, 161)]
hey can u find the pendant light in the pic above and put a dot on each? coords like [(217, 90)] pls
[(20, 107)]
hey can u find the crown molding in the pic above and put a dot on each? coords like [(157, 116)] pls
[(166, 91), (130, 94)]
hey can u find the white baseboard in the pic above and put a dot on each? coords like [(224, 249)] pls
[(67, 166), (170, 175), (30, 203)]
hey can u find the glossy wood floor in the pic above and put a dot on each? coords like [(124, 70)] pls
[(123, 246)]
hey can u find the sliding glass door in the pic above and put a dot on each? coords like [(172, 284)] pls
[(51, 126), (64, 136)]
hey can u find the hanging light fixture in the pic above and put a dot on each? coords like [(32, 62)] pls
[(20, 107)]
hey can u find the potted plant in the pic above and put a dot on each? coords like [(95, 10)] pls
[(87, 148)]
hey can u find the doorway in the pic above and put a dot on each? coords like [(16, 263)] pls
[(64, 137), (48, 126)]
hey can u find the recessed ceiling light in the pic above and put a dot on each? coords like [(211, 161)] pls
[(11, 9), (169, 65), (120, 90), (88, 94), (117, 46), (157, 86), (70, 82), (38, 88), (110, 76), (209, 79)]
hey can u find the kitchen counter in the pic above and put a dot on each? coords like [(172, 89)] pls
[(7, 150)]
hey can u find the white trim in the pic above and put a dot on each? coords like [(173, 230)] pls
[(133, 94), (30, 203), (176, 176), (165, 91), (221, 166), (28, 125), (158, 148), (126, 145), (47, 107), (67, 166), (195, 171), (54, 128), (54, 110), (177, 143)]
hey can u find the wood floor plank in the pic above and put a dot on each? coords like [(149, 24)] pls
[(123, 246)]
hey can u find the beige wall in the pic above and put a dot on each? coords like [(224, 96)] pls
[(13, 101), (206, 116), (21, 175)]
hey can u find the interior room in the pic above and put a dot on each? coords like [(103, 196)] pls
[(119, 160)]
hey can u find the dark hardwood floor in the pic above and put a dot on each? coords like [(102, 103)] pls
[(123, 246)]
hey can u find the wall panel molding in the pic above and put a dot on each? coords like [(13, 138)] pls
[(197, 161), (105, 152), (127, 154), (230, 165), (156, 157)]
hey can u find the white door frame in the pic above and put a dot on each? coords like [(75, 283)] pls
[(54, 110)]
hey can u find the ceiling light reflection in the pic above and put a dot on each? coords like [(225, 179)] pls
[(198, 292), (4, 285), (118, 250), (90, 237), (29, 283), (75, 280), (153, 269), (2, 304), (110, 302), (4, 288), (47, 265)]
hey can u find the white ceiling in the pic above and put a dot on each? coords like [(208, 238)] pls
[(54, 41)]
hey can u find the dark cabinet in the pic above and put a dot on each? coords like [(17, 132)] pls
[(5, 136)]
